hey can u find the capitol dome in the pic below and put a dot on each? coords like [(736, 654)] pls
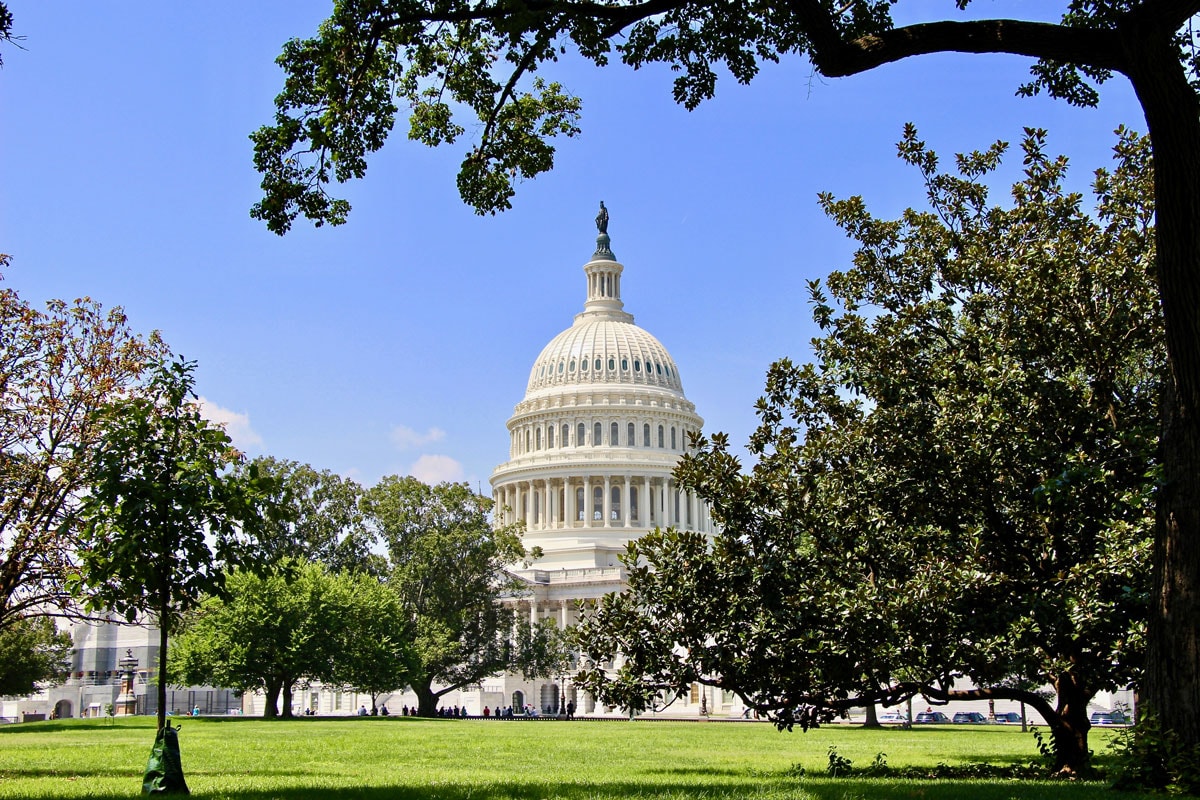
[(595, 440)]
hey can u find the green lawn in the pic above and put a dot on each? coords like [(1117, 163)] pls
[(406, 758)]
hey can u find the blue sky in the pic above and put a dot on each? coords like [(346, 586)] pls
[(400, 342)]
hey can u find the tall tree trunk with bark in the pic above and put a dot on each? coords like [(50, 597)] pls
[(1171, 685), (271, 706), (161, 689), (427, 701), (1070, 725)]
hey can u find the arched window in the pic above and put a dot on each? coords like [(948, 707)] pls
[(615, 512), (598, 503), (598, 365), (631, 435), (526, 441), (583, 364), (633, 504), (537, 507), (537, 438), (614, 434), (612, 363), (571, 367), (660, 436), (637, 365), (597, 434), (566, 435), (580, 435), (646, 435), (580, 506), (550, 437), (673, 446), (624, 364)]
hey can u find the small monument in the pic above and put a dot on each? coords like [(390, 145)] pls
[(126, 705)]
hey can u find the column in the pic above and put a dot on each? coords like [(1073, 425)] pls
[(607, 501), (533, 618), (545, 504), (644, 511), (587, 502), (563, 610), (626, 502)]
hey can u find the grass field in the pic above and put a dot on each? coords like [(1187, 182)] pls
[(408, 758)]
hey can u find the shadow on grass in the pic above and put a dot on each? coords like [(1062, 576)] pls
[(822, 789)]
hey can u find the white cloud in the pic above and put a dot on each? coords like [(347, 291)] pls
[(236, 425), (435, 469), (405, 438)]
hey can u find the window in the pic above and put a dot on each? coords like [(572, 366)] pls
[(550, 437), (560, 367), (537, 438), (631, 435), (579, 504), (580, 435), (571, 367), (660, 436), (612, 363), (537, 507), (614, 434), (566, 435), (637, 365), (526, 441), (598, 503), (597, 434), (646, 435), (624, 364), (672, 437), (615, 512), (583, 364), (658, 368), (633, 504), (598, 365)]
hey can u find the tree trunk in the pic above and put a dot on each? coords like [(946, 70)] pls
[(271, 707), (163, 624), (1069, 726), (1171, 685), (288, 686), (872, 717), (427, 701)]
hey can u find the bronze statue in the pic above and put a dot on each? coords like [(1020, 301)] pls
[(602, 219)]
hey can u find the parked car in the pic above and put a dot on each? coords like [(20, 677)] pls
[(932, 718), (892, 718), (969, 718), (1103, 719), (1008, 717)]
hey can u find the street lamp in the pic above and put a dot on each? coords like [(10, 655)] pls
[(126, 705)]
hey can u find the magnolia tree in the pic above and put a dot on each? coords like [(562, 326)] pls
[(959, 487)]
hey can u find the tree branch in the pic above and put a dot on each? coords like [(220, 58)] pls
[(834, 57)]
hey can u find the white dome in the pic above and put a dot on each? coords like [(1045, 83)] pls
[(603, 351)]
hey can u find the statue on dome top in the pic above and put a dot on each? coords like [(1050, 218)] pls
[(602, 219)]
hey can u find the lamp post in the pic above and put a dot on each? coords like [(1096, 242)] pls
[(126, 705)]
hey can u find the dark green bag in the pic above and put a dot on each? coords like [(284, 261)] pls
[(164, 772)]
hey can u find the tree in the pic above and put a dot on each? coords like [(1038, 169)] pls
[(314, 515), (376, 654), (58, 366), (448, 569), (33, 655), (960, 485), (165, 516), (298, 623), (344, 88)]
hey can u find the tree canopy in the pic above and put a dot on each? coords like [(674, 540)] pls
[(449, 571), (299, 623), (33, 655), (165, 516), (959, 487), (58, 367)]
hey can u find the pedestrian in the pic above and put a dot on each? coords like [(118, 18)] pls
[(383, 712), (487, 712), (571, 709), (362, 711)]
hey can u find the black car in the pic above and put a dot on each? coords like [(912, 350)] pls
[(969, 718), (932, 718), (1008, 717)]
